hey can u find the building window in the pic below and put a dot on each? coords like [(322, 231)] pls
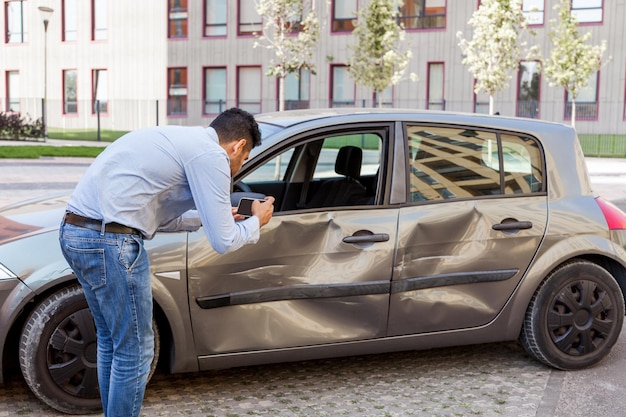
[(99, 93), (528, 90), (13, 91), (249, 19), (99, 20), (586, 101), (214, 90), (297, 88), (423, 14), (481, 101), (215, 18), (344, 14), (386, 98), (435, 100), (342, 93), (70, 98), (587, 11), (533, 11), (68, 11), (249, 89), (15, 22), (177, 91), (177, 19)]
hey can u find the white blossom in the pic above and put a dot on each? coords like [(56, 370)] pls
[(378, 60), (496, 47), (571, 61), (291, 29)]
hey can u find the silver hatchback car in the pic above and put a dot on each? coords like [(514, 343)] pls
[(394, 230)]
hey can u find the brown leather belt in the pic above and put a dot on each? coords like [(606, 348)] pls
[(93, 224)]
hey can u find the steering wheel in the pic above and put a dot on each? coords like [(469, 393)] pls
[(243, 187)]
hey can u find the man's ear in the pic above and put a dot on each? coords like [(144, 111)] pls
[(239, 146)]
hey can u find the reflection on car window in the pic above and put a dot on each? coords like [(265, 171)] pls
[(451, 163), (272, 170)]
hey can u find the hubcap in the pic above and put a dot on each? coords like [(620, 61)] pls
[(581, 318)]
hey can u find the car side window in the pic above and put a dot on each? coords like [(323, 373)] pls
[(447, 163), (272, 170)]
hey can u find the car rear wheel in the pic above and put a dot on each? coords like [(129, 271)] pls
[(58, 353), (575, 316)]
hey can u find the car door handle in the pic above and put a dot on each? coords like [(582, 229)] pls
[(512, 225), (373, 238)]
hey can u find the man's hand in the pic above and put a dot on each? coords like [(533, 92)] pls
[(263, 210)]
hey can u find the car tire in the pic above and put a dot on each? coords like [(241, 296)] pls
[(575, 316), (58, 353)]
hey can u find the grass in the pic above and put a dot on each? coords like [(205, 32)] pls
[(86, 135), (37, 151)]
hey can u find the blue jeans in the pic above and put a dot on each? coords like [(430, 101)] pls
[(114, 272)]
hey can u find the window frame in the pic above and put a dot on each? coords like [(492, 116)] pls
[(177, 19), (420, 15), (255, 105), (67, 21), (97, 92), (303, 96), (253, 24), (177, 79), (9, 23), (70, 107), (343, 24), (594, 105), (532, 109), (206, 102), (331, 98), (576, 12), (527, 10), (12, 103), (429, 86), (98, 33), (209, 6)]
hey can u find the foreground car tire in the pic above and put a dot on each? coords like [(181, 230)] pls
[(575, 317), (58, 353)]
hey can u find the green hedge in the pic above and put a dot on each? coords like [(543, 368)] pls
[(607, 145)]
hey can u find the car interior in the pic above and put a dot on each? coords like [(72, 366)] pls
[(336, 171)]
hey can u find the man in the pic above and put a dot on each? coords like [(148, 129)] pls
[(147, 180)]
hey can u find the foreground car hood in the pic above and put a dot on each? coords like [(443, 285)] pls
[(32, 216)]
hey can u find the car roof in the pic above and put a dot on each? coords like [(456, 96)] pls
[(289, 118)]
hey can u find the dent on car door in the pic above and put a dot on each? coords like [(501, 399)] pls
[(470, 228), (316, 276)]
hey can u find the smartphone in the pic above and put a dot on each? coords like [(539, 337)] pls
[(245, 206)]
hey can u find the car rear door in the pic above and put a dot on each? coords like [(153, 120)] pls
[(469, 229), (317, 275)]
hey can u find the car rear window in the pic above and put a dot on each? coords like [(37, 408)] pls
[(449, 162)]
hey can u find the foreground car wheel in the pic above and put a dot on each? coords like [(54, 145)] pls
[(575, 317), (58, 353)]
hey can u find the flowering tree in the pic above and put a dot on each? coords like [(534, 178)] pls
[(571, 61), (495, 49), (291, 29), (377, 61)]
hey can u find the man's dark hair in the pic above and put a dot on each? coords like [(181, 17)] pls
[(234, 124)]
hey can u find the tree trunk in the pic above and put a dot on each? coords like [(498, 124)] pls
[(491, 104), (574, 113)]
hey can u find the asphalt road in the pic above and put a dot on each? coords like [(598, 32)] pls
[(484, 380)]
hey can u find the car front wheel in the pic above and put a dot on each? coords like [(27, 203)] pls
[(58, 353), (574, 317)]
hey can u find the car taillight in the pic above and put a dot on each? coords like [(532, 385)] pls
[(615, 218)]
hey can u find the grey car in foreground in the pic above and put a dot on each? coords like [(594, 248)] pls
[(393, 230)]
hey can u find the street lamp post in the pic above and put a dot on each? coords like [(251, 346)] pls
[(46, 12)]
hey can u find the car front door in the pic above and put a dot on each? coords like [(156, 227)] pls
[(318, 275), (475, 217)]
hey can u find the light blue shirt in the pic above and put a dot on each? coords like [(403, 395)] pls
[(150, 179)]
